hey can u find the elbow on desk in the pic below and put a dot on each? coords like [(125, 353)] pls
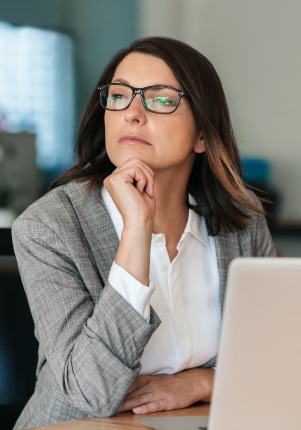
[(93, 401), (102, 408), (98, 404), (106, 406), (69, 395)]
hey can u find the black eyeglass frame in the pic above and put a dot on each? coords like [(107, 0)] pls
[(141, 91)]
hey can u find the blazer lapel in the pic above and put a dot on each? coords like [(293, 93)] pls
[(96, 225)]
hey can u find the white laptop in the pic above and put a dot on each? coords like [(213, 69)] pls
[(258, 376)]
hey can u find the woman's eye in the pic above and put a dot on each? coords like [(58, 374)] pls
[(164, 101), (116, 99), (117, 96)]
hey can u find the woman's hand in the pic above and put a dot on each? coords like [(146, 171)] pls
[(154, 393), (131, 188)]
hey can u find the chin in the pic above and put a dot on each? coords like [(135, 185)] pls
[(121, 161)]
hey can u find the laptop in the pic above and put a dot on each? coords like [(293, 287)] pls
[(258, 375)]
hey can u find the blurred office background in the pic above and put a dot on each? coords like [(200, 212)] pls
[(52, 52)]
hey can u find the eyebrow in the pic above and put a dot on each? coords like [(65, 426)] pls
[(123, 81), (120, 81)]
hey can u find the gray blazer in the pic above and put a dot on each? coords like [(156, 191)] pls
[(90, 339)]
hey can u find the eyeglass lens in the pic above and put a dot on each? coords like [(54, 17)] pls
[(156, 99)]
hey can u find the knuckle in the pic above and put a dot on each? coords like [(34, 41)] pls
[(137, 400), (107, 180), (158, 406)]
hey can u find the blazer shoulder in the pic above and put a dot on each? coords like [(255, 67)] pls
[(51, 203), (67, 210), (56, 207)]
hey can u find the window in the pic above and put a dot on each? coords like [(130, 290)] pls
[(37, 91)]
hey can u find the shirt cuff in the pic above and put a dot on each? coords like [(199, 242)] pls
[(135, 293)]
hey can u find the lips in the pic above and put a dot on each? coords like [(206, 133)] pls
[(133, 139)]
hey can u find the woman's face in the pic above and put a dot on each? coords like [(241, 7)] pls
[(163, 141)]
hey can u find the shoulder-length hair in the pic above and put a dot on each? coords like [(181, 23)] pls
[(216, 178)]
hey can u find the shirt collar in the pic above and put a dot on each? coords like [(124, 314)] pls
[(197, 227), (196, 224)]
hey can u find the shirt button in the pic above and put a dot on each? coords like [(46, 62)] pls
[(163, 267), (159, 238)]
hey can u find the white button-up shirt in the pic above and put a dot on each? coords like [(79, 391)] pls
[(184, 293)]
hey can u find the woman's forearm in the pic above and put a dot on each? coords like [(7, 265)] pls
[(133, 253)]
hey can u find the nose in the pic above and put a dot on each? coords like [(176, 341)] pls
[(136, 111)]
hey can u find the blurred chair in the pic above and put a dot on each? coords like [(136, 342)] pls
[(256, 173), (18, 346)]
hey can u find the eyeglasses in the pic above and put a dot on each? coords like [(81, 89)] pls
[(155, 98)]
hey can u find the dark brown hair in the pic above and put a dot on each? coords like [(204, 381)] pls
[(216, 177)]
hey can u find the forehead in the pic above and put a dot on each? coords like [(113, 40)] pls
[(140, 70)]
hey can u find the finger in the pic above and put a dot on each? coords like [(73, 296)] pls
[(147, 171), (138, 382), (140, 180), (131, 175), (136, 162), (142, 396), (155, 406), (143, 180), (136, 402), (129, 404)]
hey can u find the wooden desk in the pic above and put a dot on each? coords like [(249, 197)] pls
[(122, 421)]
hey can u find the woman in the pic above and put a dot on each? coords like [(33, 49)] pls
[(124, 261)]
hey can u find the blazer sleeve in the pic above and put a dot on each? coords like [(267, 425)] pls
[(93, 349)]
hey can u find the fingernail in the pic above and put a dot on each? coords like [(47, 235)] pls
[(138, 409)]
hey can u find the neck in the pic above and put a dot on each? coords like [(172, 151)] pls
[(171, 211), (170, 196)]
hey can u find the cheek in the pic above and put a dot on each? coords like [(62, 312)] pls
[(182, 136), (106, 124), (110, 126), (108, 136)]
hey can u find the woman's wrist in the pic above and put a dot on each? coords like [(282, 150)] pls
[(133, 253), (202, 382)]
